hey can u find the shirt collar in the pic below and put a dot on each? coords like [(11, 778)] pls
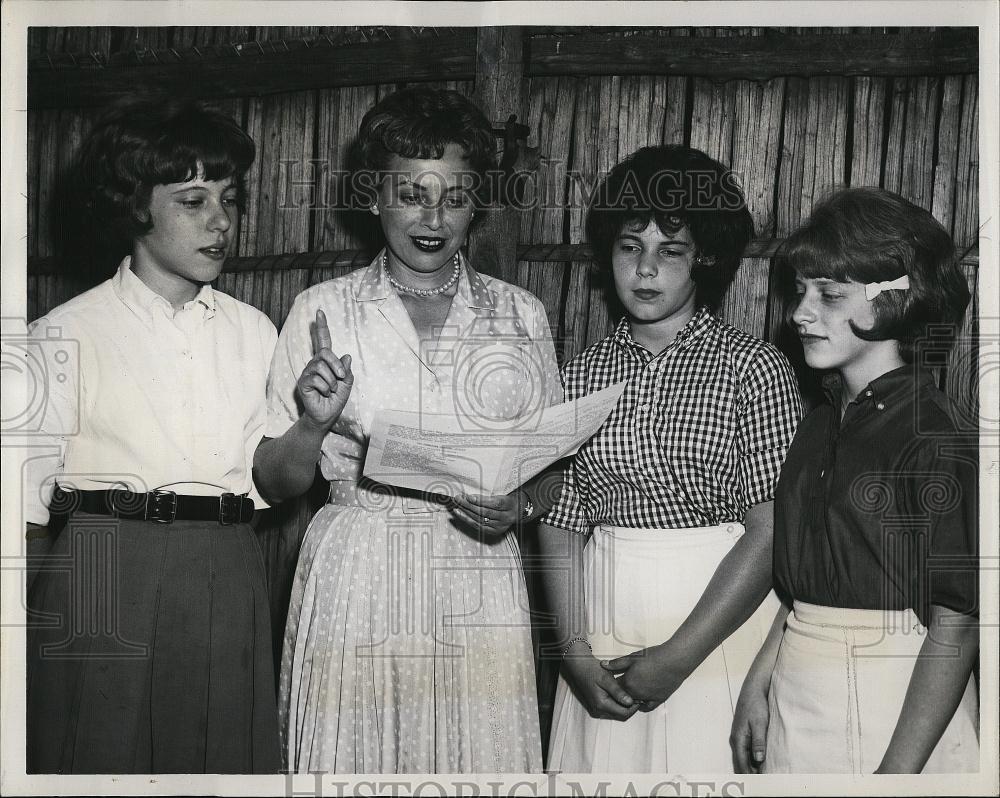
[(471, 288), (697, 325), (143, 300), (890, 387)]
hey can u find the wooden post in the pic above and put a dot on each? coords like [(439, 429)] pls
[(499, 81)]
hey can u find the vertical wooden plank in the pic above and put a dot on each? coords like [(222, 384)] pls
[(188, 36), (583, 153), (44, 289), (712, 118), (499, 87), (943, 202), (550, 119), (278, 216), (38, 41), (615, 117), (339, 115), (126, 39), (713, 106), (294, 151), (62, 131), (249, 222), (228, 34), (746, 302), (867, 130), (294, 282), (788, 202), (825, 142), (31, 311), (755, 156), (608, 151), (288, 32), (642, 114), (48, 163), (755, 151), (82, 40), (55, 38), (150, 38), (676, 111), (892, 170), (917, 183), (788, 194), (226, 283), (966, 227), (675, 121), (32, 179)]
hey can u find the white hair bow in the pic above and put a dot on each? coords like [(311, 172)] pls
[(872, 290)]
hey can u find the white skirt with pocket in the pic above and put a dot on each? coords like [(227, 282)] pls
[(640, 585), (837, 690)]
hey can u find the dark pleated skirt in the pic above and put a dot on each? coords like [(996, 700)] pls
[(149, 651)]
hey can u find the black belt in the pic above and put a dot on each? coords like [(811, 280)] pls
[(161, 506)]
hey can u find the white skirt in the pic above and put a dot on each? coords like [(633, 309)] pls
[(838, 688), (640, 585)]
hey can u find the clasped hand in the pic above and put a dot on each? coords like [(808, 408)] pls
[(650, 675), (326, 381), (616, 689)]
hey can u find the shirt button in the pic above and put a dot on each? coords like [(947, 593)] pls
[(822, 473), (880, 405), (868, 393)]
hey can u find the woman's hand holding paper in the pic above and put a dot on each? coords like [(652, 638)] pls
[(493, 514)]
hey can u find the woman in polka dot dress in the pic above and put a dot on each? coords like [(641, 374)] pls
[(408, 643)]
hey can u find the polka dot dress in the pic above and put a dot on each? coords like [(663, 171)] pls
[(408, 643)]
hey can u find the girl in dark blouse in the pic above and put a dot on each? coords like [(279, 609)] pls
[(875, 513)]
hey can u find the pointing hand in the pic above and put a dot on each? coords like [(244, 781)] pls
[(326, 381)]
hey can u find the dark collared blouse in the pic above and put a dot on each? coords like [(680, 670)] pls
[(879, 510)]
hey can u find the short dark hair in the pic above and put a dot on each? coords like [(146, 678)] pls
[(676, 187), (871, 235), (420, 122), (143, 142)]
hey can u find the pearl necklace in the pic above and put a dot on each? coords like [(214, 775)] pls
[(409, 289)]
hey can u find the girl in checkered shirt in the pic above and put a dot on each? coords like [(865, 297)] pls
[(660, 544), (875, 534)]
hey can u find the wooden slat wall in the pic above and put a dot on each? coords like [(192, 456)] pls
[(792, 139)]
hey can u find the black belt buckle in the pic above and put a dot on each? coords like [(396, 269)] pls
[(161, 506), (230, 507)]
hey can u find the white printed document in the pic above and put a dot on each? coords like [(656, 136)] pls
[(444, 454)]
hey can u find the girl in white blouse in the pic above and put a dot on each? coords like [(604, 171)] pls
[(155, 655)]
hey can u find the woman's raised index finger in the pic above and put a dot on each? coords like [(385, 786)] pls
[(323, 339)]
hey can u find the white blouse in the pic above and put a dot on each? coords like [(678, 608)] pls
[(493, 360), (144, 397)]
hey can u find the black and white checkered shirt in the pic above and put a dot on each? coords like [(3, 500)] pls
[(697, 438)]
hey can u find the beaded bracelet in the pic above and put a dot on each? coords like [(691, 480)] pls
[(573, 640)]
